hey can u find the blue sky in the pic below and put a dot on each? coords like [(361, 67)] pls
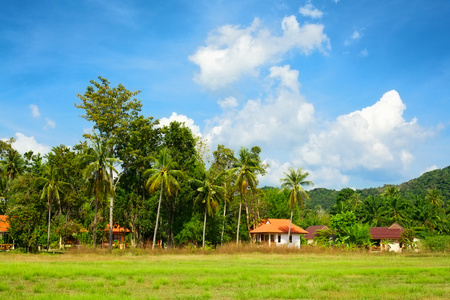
[(356, 92)]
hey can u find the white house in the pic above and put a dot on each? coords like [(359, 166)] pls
[(387, 238), (275, 232)]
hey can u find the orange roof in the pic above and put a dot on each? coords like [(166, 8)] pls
[(4, 225), (118, 229), (277, 226)]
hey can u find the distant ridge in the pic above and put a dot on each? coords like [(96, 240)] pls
[(438, 179)]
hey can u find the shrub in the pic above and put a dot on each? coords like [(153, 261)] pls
[(437, 243)]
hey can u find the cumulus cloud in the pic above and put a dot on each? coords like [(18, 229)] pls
[(232, 51), (34, 110), (310, 11), (182, 119), (229, 102), (277, 122), (376, 137), (25, 143)]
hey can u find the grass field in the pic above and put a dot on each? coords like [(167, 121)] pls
[(225, 276)]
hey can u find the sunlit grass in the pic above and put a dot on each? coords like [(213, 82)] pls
[(233, 275)]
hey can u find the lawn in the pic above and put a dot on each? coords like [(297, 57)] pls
[(225, 276)]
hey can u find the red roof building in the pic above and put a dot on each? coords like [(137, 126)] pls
[(387, 238), (312, 232)]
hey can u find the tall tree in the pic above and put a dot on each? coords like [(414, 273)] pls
[(209, 194), (163, 176), (111, 109), (99, 160), (52, 187), (223, 162), (245, 169), (434, 197), (294, 182)]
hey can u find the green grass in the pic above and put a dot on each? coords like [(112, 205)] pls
[(226, 276)]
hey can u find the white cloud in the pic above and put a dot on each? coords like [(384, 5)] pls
[(49, 124), (364, 53), (25, 143), (182, 119), (232, 51), (429, 169), (278, 121), (376, 137), (310, 11), (34, 110), (356, 35), (229, 102)]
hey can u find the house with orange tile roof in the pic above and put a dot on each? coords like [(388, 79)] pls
[(7, 242), (275, 232)]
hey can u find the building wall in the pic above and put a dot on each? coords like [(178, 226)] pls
[(280, 239)]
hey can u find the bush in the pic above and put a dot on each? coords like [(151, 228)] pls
[(437, 243)]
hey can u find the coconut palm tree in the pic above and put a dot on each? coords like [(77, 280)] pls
[(99, 161), (12, 164), (209, 195), (373, 211), (51, 188), (163, 176), (434, 197), (245, 168), (293, 183)]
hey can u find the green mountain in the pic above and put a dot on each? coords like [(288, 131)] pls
[(438, 179)]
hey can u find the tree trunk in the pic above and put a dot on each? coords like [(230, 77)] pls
[(95, 213), (157, 216), (247, 214), (111, 204), (204, 227), (290, 224), (223, 223), (49, 218), (239, 221)]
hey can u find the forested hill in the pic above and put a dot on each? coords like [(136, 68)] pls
[(438, 179)]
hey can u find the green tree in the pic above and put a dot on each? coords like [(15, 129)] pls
[(245, 169), (434, 197), (98, 161), (52, 187), (163, 176), (12, 164), (222, 164), (293, 183), (209, 194), (373, 211), (111, 109)]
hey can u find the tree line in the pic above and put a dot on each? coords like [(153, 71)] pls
[(160, 183)]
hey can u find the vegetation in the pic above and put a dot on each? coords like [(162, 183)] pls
[(155, 181)]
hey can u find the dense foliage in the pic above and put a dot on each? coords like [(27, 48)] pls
[(155, 181)]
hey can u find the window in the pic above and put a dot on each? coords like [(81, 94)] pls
[(272, 238), (290, 238), (279, 238)]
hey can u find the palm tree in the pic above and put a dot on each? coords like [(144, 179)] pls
[(12, 164), (163, 176), (245, 168), (293, 183), (434, 197), (52, 187), (99, 161), (397, 206), (373, 211), (209, 195)]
